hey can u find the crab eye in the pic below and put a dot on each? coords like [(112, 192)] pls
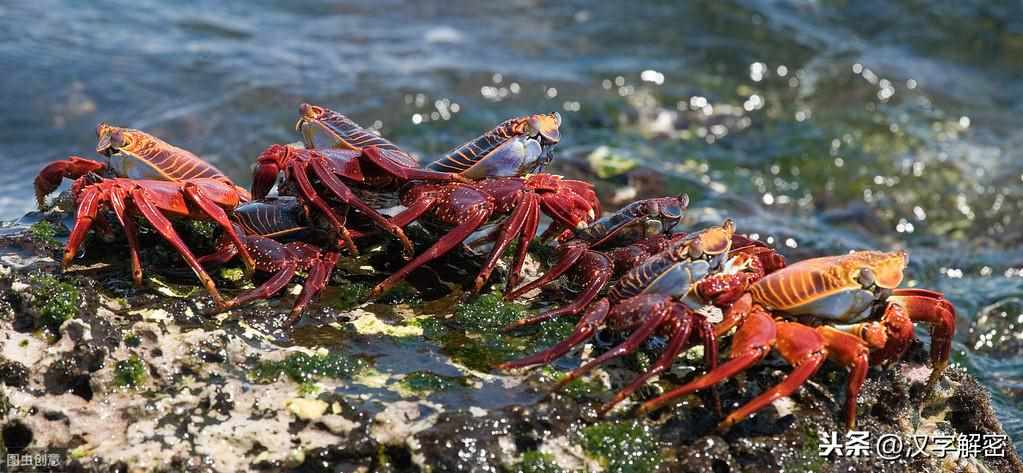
[(672, 212), (866, 278)]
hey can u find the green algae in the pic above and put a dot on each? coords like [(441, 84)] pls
[(577, 388), (132, 339), (474, 336), (536, 462), (401, 293), (348, 295), (44, 231), (622, 447), (232, 274), (55, 301), (808, 457), (423, 382), (304, 368), (130, 373), (308, 389), (488, 313)]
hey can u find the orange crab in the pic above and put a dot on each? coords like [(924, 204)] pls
[(847, 308)]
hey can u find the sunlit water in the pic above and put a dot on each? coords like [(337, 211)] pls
[(823, 126)]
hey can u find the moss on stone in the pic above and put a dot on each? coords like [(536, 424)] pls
[(577, 388), (536, 462), (349, 295), (232, 274), (305, 368), (422, 382), (488, 313), (45, 231), (808, 457), (54, 301), (130, 373), (474, 336), (132, 339), (624, 447), (402, 293)]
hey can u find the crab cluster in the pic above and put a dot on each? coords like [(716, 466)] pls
[(636, 271)]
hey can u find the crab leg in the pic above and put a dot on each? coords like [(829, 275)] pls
[(224, 252), (345, 195), (527, 235), (414, 211), (565, 263), (848, 350), (653, 308), (377, 155), (929, 306), (681, 326), (595, 270), (72, 168), (164, 227), (509, 230), (710, 353), (735, 315), (199, 196), (281, 278), (587, 325), (316, 280), (805, 350), (88, 207), (752, 342), (474, 214), (131, 231), (309, 193)]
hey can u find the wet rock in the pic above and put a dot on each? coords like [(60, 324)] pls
[(138, 380)]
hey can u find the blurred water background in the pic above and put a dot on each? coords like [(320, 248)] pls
[(822, 126)]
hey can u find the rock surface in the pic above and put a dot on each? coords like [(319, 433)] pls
[(143, 380)]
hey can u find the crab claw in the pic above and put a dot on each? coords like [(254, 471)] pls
[(54, 173), (268, 165)]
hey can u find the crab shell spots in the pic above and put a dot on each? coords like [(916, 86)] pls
[(814, 279)]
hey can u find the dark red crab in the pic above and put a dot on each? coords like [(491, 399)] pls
[(161, 181), (465, 207), (652, 298), (262, 223), (332, 179), (515, 147), (608, 247)]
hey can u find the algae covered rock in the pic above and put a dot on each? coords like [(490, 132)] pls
[(142, 380)]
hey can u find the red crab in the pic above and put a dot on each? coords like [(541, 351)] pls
[(159, 180), (846, 308), (465, 207)]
